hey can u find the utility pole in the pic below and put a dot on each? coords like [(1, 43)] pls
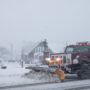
[(22, 57), (11, 51), (45, 50)]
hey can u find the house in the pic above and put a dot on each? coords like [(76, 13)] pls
[(38, 53)]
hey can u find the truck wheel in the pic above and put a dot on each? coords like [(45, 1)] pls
[(84, 72)]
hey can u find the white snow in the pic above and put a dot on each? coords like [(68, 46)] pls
[(14, 75), (57, 86)]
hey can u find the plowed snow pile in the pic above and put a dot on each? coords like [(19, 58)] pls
[(43, 76)]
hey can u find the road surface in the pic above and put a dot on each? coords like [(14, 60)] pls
[(74, 85)]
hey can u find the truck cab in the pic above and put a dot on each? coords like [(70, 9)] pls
[(75, 59), (80, 58)]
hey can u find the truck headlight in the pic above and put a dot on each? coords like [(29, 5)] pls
[(48, 59), (57, 59), (75, 61)]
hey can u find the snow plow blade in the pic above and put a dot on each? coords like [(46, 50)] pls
[(60, 73)]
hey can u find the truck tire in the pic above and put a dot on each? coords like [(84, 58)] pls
[(84, 72)]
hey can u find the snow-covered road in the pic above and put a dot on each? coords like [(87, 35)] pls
[(13, 75), (79, 85)]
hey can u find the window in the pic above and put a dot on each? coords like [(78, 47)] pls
[(52, 57), (82, 48), (64, 59), (56, 56), (69, 49)]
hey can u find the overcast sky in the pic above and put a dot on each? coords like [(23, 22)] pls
[(58, 21)]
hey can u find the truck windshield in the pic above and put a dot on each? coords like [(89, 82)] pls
[(69, 49), (82, 48)]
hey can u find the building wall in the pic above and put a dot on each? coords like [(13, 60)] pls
[(38, 54)]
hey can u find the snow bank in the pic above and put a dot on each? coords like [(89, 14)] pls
[(13, 75), (43, 76)]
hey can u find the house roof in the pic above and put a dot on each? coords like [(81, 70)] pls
[(29, 47)]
